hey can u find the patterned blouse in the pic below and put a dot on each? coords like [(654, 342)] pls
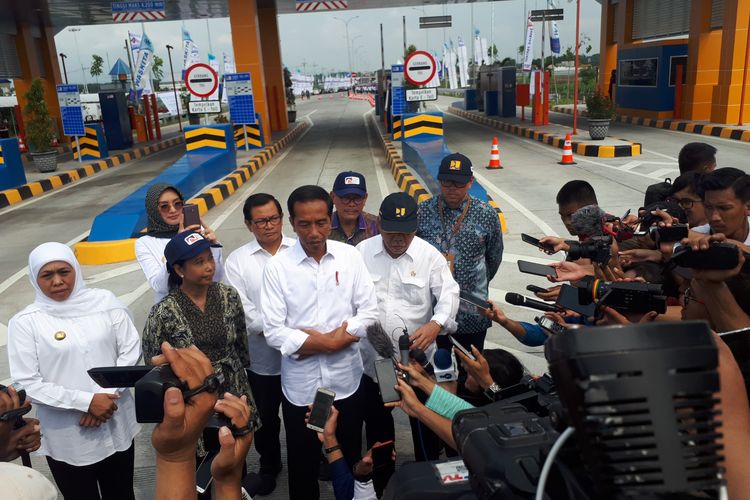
[(219, 332), (477, 248)]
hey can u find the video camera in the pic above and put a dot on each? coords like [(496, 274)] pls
[(152, 382), (641, 400), (625, 297), (597, 249), (16, 415)]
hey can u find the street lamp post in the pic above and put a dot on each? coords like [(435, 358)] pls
[(348, 51), (78, 52), (65, 71), (174, 85)]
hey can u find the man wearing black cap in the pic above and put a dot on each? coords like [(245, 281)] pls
[(467, 232), (350, 223), (410, 276)]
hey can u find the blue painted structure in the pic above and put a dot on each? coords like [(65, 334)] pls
[(491, 103), (653, 98), (470, 99), (194, 170), (12, 174)]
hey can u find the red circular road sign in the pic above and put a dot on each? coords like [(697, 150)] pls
[(420, 67), (201, 80)]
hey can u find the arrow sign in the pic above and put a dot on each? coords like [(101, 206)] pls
[(420, 67), (201, 80)]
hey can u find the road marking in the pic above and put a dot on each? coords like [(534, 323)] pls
[(112, 273), (663, 171), (659, 154), (375, 163), (545, 228)]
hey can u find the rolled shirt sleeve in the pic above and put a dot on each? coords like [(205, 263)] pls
[(446, 291)]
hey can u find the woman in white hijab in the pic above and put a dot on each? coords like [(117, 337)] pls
[(87, 431)]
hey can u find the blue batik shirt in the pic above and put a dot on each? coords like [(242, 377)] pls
[(477, 248)]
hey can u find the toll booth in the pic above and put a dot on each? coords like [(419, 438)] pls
[(496, 94), (116, 120)]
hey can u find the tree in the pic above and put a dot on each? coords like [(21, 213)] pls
[(508, 62), (492, 52), (409, 50), (157, 68), (521, 49), (39, 124), (97, 65)]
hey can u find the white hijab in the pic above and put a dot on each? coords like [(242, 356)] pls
[(82, 301)]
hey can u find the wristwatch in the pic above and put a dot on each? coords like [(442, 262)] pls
[(492, 392)]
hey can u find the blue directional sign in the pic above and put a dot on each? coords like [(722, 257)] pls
[(239, 89), (398, 96), (70, 108)]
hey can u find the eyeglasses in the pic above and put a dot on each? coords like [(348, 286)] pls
[(688, 297), (458, 185), (352, 200), (177, 205), (268, 221), (686, 202)]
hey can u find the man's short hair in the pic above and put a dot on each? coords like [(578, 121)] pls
[(308, 193), (579, 192), (258, 200), (726, 178), (505, 368), (696, 156), (689, 180)]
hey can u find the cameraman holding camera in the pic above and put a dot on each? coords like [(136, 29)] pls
[(15, 438)]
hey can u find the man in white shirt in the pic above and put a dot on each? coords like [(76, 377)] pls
[(726, 200), (244, 271), (317, 300), (410, 276)]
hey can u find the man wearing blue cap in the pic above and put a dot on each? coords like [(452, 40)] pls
[(350, 223)]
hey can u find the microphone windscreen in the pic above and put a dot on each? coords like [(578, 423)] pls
[(419, 356), (403, 342), (380, 341), (587, 221), (514, 298), (442, 359)]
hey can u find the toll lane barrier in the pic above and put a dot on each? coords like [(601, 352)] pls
[(106, 252), (93, 145), (254, 136), (691, 127), (12, 173), (408, 183), (363, 97), (26, 191), (581, 149), (199, 139)]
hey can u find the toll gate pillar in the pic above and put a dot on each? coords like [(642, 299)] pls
[(273, 68)]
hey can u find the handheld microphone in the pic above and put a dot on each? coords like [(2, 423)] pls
[(420, 357), (519, 300), (446, 369), (403, 348)]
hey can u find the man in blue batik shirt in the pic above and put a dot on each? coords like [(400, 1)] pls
[(467, 232)]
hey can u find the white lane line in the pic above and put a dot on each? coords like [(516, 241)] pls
[(659, 154), (543, 226), (131, 297), (375, 163), (112, 273), (663, 171)]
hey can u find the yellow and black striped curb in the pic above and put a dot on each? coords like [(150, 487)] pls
[(89, 144), (579, 148), (409, 184), (397, 128), (2, 159), (205, 137), (108, 252), (253, 136), (691, 127), (424, 124), (17, 195)]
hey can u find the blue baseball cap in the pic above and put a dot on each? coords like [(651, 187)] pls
[(348, 183), (185, 246)]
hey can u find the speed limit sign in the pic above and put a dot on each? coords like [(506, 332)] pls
[(420, 67)]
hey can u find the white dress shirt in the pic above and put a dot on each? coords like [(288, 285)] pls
[(53, 372), (299, 292), (706, 229), (149, 251), (407, 287), (244, 271)]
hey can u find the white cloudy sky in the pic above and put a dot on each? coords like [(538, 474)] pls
[(316, 41)]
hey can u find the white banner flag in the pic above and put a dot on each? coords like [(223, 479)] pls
[(145, 58), (463, 63), (528, 53)]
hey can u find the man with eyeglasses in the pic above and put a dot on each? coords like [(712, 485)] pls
[(244, 271), (350, 223), (684, 192), (467, 232)]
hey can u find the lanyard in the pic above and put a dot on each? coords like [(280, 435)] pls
[(456, 226)]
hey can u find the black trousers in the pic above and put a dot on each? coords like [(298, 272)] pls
[(109, 479), (267, 393), (303, 447)]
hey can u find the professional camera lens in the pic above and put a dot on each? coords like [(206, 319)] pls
[(597, 249)]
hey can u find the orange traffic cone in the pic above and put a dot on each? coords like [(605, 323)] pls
[(567, 157), (21, 146), (494, 156)]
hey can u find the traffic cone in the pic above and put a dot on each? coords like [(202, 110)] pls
[(21, 145), (567, 157), (494, 156)]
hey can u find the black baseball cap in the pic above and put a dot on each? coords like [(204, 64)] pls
[(398, 213), (185, 246), (347, 183), (455, 167)]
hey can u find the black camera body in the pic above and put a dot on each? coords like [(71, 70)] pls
[(625, 297), (597, 249), (149, 393), (16, 415)]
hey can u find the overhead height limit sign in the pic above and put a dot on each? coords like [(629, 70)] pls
[(201, 80), (420, 67)]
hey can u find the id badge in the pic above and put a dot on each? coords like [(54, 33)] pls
[(451, 262)]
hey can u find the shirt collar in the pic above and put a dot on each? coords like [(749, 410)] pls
[(460, 207), (254, 247), (411, 252), (361, 222), (298, 253)]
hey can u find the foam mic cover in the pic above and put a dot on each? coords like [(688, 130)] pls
[(380, 341), (587, 221), (446, 369), (403, 348)]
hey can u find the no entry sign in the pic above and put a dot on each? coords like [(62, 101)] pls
[(420, 67), (201, 80)]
